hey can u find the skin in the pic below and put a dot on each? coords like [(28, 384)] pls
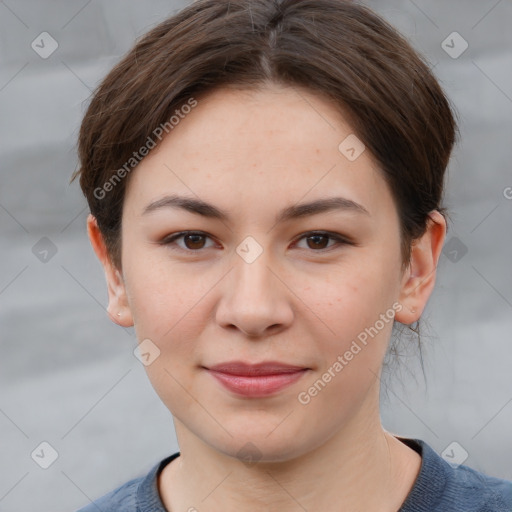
[(252, 153)]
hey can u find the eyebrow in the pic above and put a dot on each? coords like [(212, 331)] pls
[(296, 211)]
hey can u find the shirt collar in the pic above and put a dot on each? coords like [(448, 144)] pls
[(427, 488), (431, 480), (148, 497)]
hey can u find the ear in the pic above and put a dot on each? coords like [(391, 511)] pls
[(419, 278), (118, 308)]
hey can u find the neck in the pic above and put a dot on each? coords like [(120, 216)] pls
[(361, 467)]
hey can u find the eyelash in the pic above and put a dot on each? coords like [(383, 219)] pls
[(171, 240)]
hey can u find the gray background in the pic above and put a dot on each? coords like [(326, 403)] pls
[(68, 375)]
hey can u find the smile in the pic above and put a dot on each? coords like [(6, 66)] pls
[(256, 380)]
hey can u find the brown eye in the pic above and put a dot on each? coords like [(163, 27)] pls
[(318, 241), (323, 241), (194, 241), (190, 241)]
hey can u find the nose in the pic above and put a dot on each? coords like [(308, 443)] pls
[(255, 299)]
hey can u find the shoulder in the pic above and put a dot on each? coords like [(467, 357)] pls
[(472, 491), (123, 498), (443, 487), (137, 495)]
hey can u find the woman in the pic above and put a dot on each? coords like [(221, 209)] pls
[(265, 182)]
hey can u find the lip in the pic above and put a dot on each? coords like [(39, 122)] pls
[(256, 380)]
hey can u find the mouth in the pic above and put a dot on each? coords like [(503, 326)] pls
[(256, 380)]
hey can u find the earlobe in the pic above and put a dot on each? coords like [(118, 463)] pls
[(118, 307), (419, 278)]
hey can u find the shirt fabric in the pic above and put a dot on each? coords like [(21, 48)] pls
[(439, 487)]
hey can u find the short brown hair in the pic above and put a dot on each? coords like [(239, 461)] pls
[(336, 48)]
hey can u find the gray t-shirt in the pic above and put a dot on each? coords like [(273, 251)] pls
[(439, 487)]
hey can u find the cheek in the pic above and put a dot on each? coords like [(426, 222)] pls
[(350, 297), (161, 294), (356, 303), (357, 307)]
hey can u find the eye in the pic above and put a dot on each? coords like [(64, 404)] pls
[(318, 240), (193, 240)]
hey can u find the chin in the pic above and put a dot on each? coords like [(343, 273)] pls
[(257, 445)]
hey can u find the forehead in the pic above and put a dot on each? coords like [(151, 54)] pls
[(278, 144)]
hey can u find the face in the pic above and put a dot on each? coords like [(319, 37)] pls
[(257, 276)]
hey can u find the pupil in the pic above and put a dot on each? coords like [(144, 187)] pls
[(316, 237), (194, 239)]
